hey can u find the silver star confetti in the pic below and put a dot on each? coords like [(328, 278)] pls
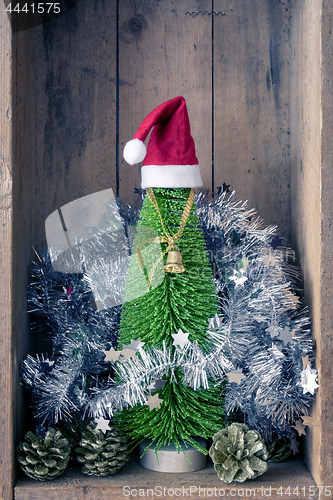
[(308, 380), (111, 355), (294, 446), (135, 345), (299, 427), (305, 361), (285, 335), (309, 421), (103, 424), (273, 330), (158, 384), (153, 401), (128, 351), (236, 376), (269, 260), (180, 338)]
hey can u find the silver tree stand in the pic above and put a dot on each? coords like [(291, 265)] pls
[(168, 459)]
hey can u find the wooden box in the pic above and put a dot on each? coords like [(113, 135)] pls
[(258, 79)]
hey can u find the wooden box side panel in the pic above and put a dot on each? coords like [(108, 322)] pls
[(326, 276), (16, 232), (7, 473), (311, 204)]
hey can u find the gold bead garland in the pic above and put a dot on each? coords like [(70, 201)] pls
[(175, 264)]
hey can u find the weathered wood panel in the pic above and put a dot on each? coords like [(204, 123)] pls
[(7, 472), (312, 206), (251, 99), (86, 111), (24, 214), (164, 52), (75, 106), (17, 216), (325, 364), (135, 481), (305, 175)]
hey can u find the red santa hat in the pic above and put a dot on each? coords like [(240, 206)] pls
[(169, 160)]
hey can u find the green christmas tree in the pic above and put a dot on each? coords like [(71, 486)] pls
[(180, 301), (160, 305), (183, 300)]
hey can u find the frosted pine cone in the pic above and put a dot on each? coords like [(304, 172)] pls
[(279, 450), (43, 458), (101, 454), (238, 453)]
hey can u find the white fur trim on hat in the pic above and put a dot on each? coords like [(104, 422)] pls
[(134, 151), (170, 176)]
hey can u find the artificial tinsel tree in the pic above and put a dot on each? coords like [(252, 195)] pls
[(182, 301), (179, 292)]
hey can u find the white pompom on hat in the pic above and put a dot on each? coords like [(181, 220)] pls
[(135, 151), (169, 161)]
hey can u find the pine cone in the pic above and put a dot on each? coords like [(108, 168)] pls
[(279, 450), (102, 454), (43, 458), (238, 453), (71, 430)]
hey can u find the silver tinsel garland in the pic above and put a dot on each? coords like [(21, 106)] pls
[(262, 334)]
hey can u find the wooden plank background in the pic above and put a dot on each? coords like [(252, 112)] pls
[(102, 67), (76, 112), (251, 99)]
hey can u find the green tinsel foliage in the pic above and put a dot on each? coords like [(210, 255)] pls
[(174, 301), (279, 450), (238, 453), (102, 454), (182, 415), (183, 300), (44, 458)]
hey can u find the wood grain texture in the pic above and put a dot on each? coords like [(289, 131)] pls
[(251, 99), (75, 106), (7, 461), (164, 52), (326, 339), (305, 178), (311, 201), (144, 483), (17, 218), (24, 215)]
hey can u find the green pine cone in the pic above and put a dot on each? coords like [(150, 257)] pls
[(101, 454), (279, 450), (42, 458), (71, 430), (238, 453)]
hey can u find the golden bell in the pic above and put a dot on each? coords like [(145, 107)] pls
[(174, 262)]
